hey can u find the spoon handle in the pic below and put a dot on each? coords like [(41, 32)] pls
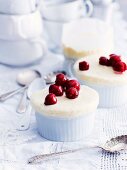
[(7, 95), (44, 157), (23, 103), (39, 158), (23, 120)]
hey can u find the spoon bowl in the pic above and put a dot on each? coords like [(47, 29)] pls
[(116, 144), (27, 76)]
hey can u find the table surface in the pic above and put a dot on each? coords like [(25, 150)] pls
[(17, 146)]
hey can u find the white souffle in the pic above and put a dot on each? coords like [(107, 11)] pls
[(99, 74), (87, 36), (85, 103)]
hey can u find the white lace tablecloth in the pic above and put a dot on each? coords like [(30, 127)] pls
[(17, 146)]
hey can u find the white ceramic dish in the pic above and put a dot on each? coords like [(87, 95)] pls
[(111, 86), (104, 2), (65, 129), (17, 7), (66, 11), (53, 34), (115, 96), (19, 27), (21, 53), (69, 119)]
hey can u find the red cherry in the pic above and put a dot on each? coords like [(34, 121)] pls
[(83, 65), (119, 67), (72, 93), (114, 59), (73, 83), (113, 55), (125, 66), (50, 99), (60, 79), (57, 90), (104, 61)]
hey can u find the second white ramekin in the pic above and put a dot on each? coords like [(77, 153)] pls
[(110, 96)]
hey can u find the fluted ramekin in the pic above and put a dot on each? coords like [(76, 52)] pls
[(65, 129), (110, 96)]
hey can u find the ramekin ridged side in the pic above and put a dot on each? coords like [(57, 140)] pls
[(110, 96), (65, 129)]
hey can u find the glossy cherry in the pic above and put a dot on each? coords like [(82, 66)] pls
[(55, 89), (83, 66), (114, 59), (73, 83), (60, 79), (125, 66), (119, 67), (50, 99), (104, 61), (72, 93)]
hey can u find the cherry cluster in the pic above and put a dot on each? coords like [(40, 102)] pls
[(62, 84), (115, 62)]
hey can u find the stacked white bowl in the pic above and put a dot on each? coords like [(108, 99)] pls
[(21, 30)]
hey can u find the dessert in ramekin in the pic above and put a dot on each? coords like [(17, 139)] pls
[(65, 112), (107, 75), (85, 37)]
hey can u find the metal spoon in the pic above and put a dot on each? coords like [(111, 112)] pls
[(24, 79), (24, 76), (113, 145), (116, 144), (23, 122)]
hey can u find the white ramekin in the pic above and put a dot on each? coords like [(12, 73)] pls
[(110, 96), (65, 129), (19, 27)]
